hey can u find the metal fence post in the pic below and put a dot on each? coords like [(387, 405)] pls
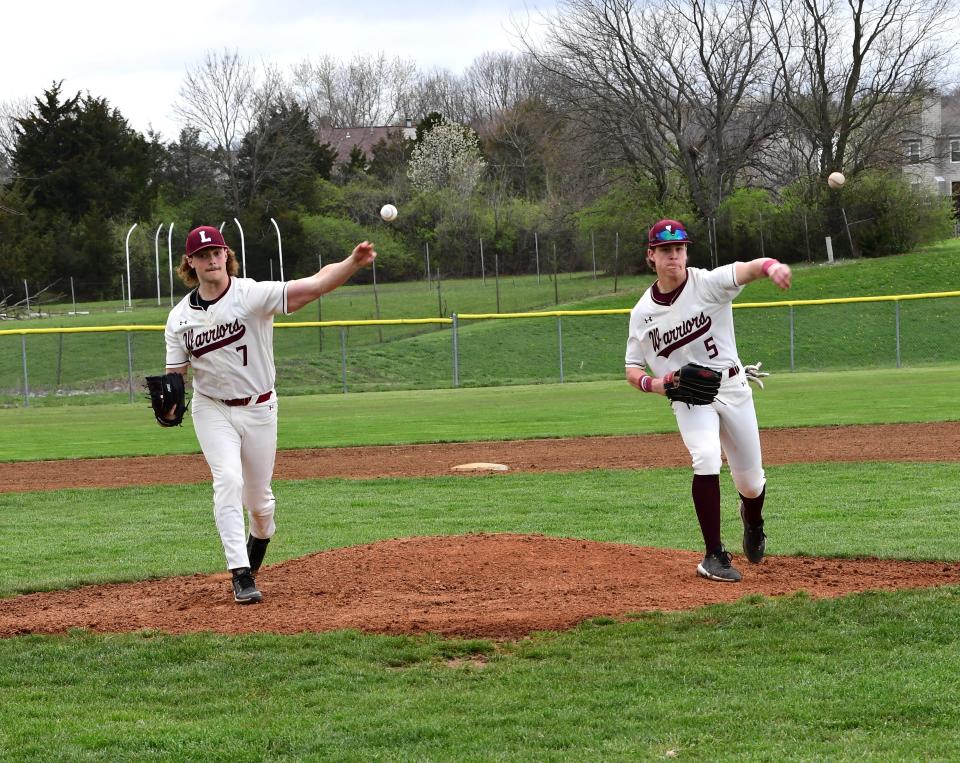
[(536, 249), (560, 341), (376, 300), (130, 363), (456, 353), (59, 360), (593, 252), (320, 304), (896, 305), (26, 383), (791, 337), (343, 357), (129, 283)]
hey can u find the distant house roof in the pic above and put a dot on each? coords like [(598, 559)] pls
[(343, 139)]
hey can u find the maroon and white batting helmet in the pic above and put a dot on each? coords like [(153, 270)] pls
[(668, 232), (204, 237)]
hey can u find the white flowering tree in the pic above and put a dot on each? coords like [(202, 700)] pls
[(448, 157)]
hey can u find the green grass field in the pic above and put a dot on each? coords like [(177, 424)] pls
[(494, 413), (864, 677)]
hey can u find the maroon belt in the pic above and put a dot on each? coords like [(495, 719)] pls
[(246, 400), (733, 371)]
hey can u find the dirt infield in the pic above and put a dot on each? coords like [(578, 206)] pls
[(493, 586), (487, 585)]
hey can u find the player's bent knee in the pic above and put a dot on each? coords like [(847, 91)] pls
[(750, 483)]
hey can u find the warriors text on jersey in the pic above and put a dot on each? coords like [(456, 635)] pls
[(693, 324), (229, 345)]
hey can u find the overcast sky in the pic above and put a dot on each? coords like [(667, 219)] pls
[(135, 53)]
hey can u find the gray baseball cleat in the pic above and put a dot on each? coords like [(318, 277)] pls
[(717, 566), (754, 539), (245, 587)]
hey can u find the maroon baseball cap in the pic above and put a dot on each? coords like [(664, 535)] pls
[(668, 232), (203, 237)]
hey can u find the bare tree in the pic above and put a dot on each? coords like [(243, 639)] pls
[(442, 92), (264, 134), (218, 98), (366, 91), (10, 112), (854, 73), (496, 82), (675, 85), (521, 143)]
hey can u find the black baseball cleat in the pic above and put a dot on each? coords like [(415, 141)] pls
[(245, 587), (256, 550), (754, 539), (717, 566)]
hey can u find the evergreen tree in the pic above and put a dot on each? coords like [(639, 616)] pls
[(77, 166), (188, 168), (280, 159), (79, 154)]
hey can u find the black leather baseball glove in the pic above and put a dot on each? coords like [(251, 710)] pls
[(693, 384), (167, 394)]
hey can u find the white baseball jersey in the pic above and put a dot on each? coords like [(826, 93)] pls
[(696, 327), (229, 346)]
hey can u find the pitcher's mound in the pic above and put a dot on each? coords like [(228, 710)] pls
[(483, 585)]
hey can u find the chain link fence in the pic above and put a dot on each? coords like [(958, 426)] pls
[(83, 365)]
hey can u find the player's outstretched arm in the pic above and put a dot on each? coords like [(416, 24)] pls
[(765, 267), (303, 291)]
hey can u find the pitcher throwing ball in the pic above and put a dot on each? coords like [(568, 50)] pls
[(223, 331), (682, 331)]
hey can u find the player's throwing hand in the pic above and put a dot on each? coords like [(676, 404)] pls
[(363, 254), (778, 272)]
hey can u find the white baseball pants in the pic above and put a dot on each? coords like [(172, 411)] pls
[(240, 445), (730, 424)]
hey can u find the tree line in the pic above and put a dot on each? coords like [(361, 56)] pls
[(611, 113)]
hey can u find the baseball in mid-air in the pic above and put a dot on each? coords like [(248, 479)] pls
[(836, 180), (388, 212)]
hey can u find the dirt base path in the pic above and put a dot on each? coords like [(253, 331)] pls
[(885, 442), (484, 585)]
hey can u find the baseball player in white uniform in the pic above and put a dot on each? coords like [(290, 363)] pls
[(686, 316), (223, 331)]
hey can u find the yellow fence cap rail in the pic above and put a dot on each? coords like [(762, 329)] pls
[(850, 300), (80, 330), (486, 316), (542, 314), (379, 322)]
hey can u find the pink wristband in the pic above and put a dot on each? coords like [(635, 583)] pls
[(645, 383), (768, 265)]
